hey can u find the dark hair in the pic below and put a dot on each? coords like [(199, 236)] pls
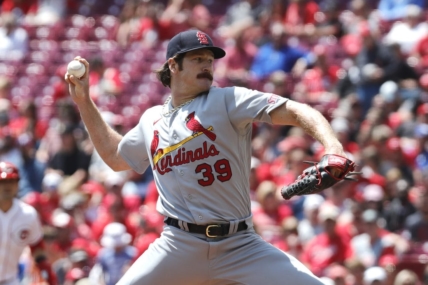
[(164, 74)]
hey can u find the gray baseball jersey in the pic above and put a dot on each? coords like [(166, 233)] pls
[(200, 157), (201, 153)]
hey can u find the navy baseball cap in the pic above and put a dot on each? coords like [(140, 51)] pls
[(192, 40)]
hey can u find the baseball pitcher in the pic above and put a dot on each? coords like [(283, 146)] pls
[(198, 146)]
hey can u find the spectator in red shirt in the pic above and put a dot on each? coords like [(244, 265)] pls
[(26, 6), (338, 273), (420, 54), (316, 83), (138, 23), (299, 18), (234, 67), (328, 247), (151, 224), (288, 240), (28, 121), (271, 212)]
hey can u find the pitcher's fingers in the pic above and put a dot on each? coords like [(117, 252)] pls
[(67, 79), (86, 63), (73, 79)]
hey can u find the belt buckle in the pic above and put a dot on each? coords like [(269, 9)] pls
[(207, 231)]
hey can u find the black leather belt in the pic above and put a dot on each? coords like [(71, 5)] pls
[(215, 230)]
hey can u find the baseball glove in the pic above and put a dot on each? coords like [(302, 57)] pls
[(331, 169)]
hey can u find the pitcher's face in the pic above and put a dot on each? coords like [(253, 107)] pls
[(197, 72)]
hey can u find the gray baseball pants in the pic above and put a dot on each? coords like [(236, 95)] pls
[(181, 258)]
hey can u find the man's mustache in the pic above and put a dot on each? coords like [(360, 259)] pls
[(205, 75)]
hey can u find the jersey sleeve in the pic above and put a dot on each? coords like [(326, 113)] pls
[(245, 106), (133, 149)]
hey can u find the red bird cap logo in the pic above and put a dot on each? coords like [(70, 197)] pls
[(202, 38)]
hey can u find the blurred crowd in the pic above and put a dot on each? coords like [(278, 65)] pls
[(361, 63)]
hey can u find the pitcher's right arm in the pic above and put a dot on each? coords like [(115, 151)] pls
[(104, 138)]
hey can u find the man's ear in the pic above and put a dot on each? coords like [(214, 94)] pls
[(172, 65)]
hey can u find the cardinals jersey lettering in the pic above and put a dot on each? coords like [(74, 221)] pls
[(202, 174)]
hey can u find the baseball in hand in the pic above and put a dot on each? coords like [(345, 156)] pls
[(76, 68)]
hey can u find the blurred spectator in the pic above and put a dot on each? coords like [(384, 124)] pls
[(327, 20), (233, 68), (406, 277), (5, 85), (375, 63), (375, 276), (288, 239), (279, 83), (317, 81), (201, 19), (425, 276), (329, 246), (79, 267), (278, 55), (350, 222), (138, 22), (32, 170), (115, 257), (419, 56), (19, 6), (48, 12), (13, 39), (398, 207), (254, 180), (370, 166), (294, 166), (406, 79), (104, 82), (356, 268), (299, 19), (373, 196), (66, 115), (271, 212), (175, 17), (240, 16), (338, 273), (9, 151), (360, 13), (28, 121), (70, 160), (94, 192), (416, 225), (408, 32), (374, 242), (394, 10), (151, 223), (310, 226), (66, 230), (342, 127), (112, 209)]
